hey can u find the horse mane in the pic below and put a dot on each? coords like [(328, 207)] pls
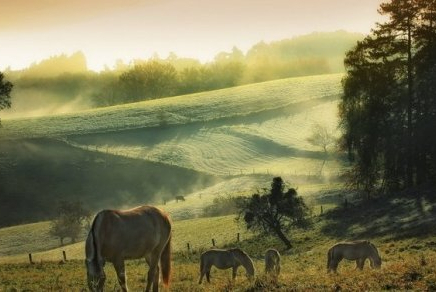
[(237, 251), (243, 258)]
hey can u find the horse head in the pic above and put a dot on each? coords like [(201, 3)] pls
[(375, 259), (245, 261), (95, 275)]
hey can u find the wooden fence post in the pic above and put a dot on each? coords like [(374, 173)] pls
[(321, 210), (213, 242), (65, 255), (237, 237), (30, 258), (188, 246)]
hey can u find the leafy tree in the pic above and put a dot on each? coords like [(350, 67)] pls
[(71, 217), (5, 93), (222, 205), (275, 211), (322, 137), (149, 80), (388, 109)]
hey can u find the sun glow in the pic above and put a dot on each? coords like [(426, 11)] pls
[(127, 30)]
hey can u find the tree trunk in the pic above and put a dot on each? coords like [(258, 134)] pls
[(410, 148), (283, 237)]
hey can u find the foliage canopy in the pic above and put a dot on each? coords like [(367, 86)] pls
[(70, 220), (275, 211), (5, 92), (388, 110)]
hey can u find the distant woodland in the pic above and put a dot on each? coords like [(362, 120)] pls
[(64, 83)]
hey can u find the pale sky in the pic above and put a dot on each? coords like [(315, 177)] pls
[(106, 30)]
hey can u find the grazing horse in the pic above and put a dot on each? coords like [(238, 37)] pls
[(225, 259), (272, 261), (180, 198), (357, 251), (117, 235)]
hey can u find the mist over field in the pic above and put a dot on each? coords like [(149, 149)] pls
[(64, 84), (207, 136)]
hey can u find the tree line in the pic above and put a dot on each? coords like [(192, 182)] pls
[(67, 77), (388, 110)]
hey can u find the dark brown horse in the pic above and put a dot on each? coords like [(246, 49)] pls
[(115, 236)]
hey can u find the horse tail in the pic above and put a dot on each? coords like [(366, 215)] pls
[(165, 262), (93, 252), (202, 263)]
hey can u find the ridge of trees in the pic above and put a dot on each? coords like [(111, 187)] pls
[(67, 77), (388, 110)]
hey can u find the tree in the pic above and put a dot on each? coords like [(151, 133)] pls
[(149, 80), (275, 211), (71, 217), (388, 109), (322, 137), (5, 93)]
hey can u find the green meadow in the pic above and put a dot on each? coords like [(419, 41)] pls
[(228, 142)]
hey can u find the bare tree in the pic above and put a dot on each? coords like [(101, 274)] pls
[(72, 217), (322, 137)]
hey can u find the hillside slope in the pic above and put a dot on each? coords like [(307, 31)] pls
[(200, 107), (36, 174), (154, 150)]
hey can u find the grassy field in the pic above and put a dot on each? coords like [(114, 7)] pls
[(258, 128), (408, 270), (408, 255), (146, 152), (201, 107), (16, 242)]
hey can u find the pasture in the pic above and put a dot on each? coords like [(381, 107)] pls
[(408, 253), (151, 151), (221, 143), (407, 265)]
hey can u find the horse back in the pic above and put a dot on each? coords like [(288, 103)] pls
[(351, 250), (131, 233), (220, 258)]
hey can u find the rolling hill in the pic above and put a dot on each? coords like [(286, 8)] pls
[(153, 150)]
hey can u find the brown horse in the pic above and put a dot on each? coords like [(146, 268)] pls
[(272, 261), (225, 259), (115, 236), (357, 251)]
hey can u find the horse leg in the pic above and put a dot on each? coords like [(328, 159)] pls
[(156, 279), (121, 273), (334, 266), (234, 270), (152, 262), (202, 270), (208, 273), (201, 277), (360, 263)]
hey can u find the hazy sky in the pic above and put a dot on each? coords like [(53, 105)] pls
[(106, 30)]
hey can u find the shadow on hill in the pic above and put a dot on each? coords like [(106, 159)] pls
[(154, 135), (389, 217), (35, 174)]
